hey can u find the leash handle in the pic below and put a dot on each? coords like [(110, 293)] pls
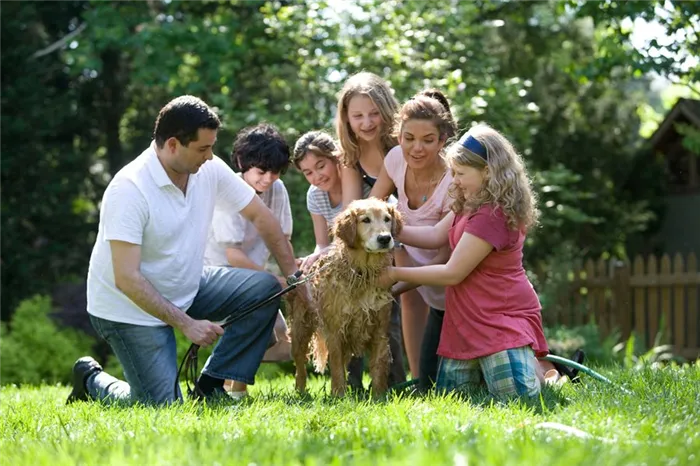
[(188, 361)]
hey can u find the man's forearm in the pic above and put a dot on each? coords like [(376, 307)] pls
[(144, 295), (278, 244), (284, 255)]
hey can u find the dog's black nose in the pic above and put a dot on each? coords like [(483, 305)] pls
[(384, 240)]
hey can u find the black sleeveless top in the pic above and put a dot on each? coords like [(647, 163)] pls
[(369, 180)]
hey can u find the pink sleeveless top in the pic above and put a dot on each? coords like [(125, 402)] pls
[(428, 214)]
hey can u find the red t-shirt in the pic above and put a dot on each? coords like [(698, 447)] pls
[(495, 308)]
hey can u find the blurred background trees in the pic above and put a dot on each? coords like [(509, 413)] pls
[(82, 83)]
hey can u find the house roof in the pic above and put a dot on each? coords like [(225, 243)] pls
[(685, 110)]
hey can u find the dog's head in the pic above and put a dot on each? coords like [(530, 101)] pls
[(369, 224)]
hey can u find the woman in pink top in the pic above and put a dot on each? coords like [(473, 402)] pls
[(492, 331), (417, 173)]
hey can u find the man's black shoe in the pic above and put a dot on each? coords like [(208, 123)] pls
[(570, 372), (82, 369), (579, 356), (217, 397)]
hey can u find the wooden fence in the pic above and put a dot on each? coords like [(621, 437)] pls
[(644, 297)]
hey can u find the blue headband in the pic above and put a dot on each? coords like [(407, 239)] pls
[(473, 145)]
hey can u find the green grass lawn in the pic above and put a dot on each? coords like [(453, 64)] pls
[(658, 423)]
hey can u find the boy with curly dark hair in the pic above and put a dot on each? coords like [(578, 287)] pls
[(260, 155)]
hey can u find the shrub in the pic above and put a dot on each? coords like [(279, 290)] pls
[(34, 350), (565, 340)]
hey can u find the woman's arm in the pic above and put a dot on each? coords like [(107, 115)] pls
[(384, 185), (425, 237), (351, 181), (470, 251)]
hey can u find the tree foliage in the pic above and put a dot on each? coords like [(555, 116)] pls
[(47, 148), (82, 83)]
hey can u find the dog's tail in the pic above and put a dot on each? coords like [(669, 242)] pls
[(320, 353)]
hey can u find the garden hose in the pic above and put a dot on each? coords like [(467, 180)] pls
[(550, 358), (582, 368), (575, 365)]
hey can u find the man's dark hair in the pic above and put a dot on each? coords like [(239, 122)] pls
[(262, 147), (182, 118)]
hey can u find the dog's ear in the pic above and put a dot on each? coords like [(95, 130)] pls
[(396, 221), (345, 227)]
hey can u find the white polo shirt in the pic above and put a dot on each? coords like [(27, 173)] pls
[(142, 206)]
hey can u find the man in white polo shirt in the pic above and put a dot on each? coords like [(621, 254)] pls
[(147, 276)]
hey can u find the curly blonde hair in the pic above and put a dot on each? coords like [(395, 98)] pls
[(506, 183), (379, 92)]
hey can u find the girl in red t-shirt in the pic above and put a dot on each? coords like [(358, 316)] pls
[(492, 330)]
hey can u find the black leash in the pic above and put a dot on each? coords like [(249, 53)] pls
[(190, 362)]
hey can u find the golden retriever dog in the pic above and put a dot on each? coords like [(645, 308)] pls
[(352, 313)]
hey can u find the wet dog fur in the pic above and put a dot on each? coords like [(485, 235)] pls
[(351, 313)]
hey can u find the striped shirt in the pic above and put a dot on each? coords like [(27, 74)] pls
[(318, 202)]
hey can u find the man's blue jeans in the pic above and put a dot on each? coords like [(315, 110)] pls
[(149, 356)]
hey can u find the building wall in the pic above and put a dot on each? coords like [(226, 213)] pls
[(681, 228)]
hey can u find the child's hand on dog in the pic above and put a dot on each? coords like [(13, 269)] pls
[(305, 263), (401, 287), (386, 279)]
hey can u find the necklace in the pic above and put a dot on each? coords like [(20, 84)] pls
[(427, 190)]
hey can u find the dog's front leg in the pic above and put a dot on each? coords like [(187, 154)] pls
[(336, 361), (302, 330), (380, 355)]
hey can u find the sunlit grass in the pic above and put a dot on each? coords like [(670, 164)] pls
[(655, 424)]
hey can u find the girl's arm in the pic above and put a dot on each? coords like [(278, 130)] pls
[(470, 251), (322, 242), (426, 237), (442, 257), (320, 231), (384, 185), (351, 181)]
